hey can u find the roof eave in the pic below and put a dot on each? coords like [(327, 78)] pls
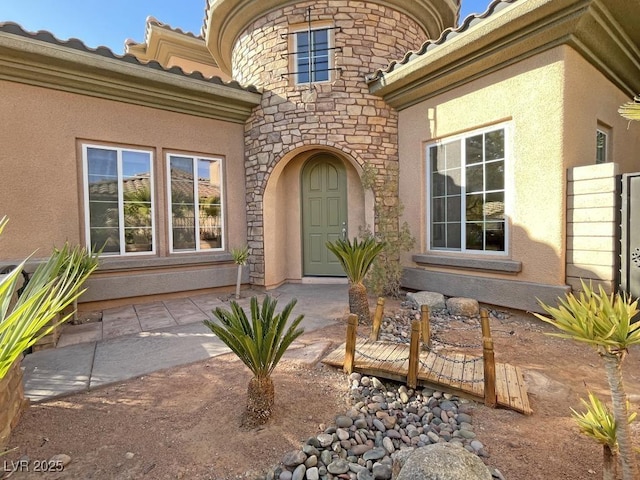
[(524, 29), (34, 62)]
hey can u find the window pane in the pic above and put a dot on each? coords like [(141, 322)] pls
[(601, 146), (494, 236), (438, 185), (473, 149), (475, 178), (494, 145), (106, 238), (438, 209), (454, 181), (438, 238), (494, 206), (495, 175), (438, 158), (210, 206), (475, 207), (453, 209), (453, 236), (453, 154), (138, 239), (102, 165), (474, 236), (184, 227)]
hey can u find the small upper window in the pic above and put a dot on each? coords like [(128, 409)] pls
[(311, 53), (602, 144)]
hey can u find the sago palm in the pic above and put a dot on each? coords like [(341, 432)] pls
[(260, 343), (356, 259), (597, 422), (53, 286), (604, 322)]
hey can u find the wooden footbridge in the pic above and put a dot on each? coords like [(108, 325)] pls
[(472, 376)]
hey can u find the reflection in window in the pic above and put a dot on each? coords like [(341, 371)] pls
[(119, 192), (467, 193), (195, 191)]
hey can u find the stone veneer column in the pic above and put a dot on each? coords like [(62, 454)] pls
[(340, 114)]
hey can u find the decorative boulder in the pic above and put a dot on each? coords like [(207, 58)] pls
[(434, 300), (443, 461), (465, 307)]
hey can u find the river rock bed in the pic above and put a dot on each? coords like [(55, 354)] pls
[(372, 439)]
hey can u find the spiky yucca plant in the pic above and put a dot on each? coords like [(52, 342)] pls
[(356, 259), (604, 322), (631, 110), (597, 422), (260, 343), (240, 257), (53, 286)]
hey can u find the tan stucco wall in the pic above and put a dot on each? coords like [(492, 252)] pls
[(40, 159), (529, 96), (590, 102), (282, 209)]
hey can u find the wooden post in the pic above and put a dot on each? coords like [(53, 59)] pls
[(377, 320), (350, 350), (426, 326), (489, 362), (414, 355)]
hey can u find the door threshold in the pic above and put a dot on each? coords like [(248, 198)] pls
[(325, 280)]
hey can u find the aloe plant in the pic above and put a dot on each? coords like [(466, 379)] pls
[(54, 285), (603, 322), (356, 259), (260, 343), (597, 422)]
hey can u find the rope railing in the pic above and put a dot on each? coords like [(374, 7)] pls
[(421, 333)]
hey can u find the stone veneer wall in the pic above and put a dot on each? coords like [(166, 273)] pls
[(340, 114), (12, 402)]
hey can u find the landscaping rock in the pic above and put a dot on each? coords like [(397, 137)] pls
[(466, 307), (443, 461), (294, 458), (434, 300)]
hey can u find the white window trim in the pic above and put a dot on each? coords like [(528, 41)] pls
[(330, 53), (194, 159), (508, 154), (87, 219)]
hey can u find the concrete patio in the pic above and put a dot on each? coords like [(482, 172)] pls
[(139, 339)]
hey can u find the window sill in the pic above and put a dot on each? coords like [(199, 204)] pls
[(133, 263), (489, 265)]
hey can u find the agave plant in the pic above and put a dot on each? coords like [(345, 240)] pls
[(597, 422), (54, 285), (356, 259), (260, 343), (604, 322)]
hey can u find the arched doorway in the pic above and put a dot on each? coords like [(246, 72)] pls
[(324, 213)]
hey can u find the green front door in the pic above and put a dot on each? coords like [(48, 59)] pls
[(324, 214)]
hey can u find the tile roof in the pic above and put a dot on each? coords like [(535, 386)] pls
[(449, 33), (153, 21), (75, 44)]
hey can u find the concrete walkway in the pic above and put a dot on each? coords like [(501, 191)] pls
[(139, 339)]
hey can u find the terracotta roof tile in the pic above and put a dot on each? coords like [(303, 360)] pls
[(446, 35), (76, 44)]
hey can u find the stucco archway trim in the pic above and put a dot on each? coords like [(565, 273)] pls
[(282, 211)]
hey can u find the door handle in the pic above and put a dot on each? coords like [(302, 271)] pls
[(344, 231)]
